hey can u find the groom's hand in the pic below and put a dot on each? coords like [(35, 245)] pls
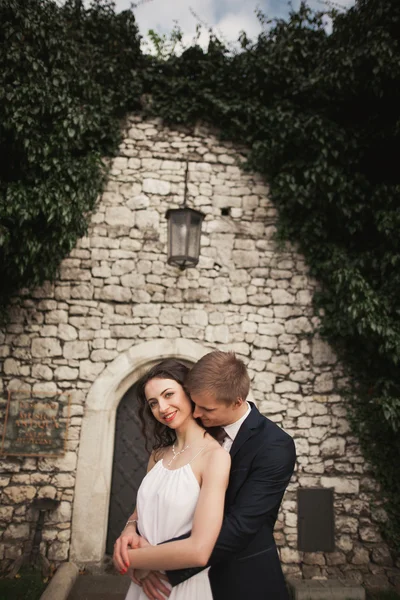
[(129, 539), (154, 587)]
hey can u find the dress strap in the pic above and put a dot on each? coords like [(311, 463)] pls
[(199, 452)]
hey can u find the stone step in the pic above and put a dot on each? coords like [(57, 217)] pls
[(100, 587), (330, 589)]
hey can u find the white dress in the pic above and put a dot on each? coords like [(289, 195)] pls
[(166, 503)]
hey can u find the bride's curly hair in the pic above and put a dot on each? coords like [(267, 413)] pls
[(156, 434)]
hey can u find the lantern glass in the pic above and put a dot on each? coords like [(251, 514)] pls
[(184, 232)]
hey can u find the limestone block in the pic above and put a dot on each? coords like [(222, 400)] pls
[(370, 533), (335, 558), (140, 296), (237, 347), (280, 296), (245, 259), (120, 163), (133, 280), (147, 218), (47, 491), (45, 347), (6, 513), (74, 274), (286, 387), (66, 373), (219, 294), (122, 267), (82, 291), (226, 159), (360, 556), (304, 422), (103, 355), (125, 331), (323, 383), (218, 333), (259, 299), (63, 480), (63, 463), (156, 186), (55, 317), (134, 163), (18, 531), (139, 201), (58, 551), (21, 493), (238, 295), (341, 485), (314, 558), (103, 271), (195, 318), (322, 353), (333, 446), (381, 556), (300, 325), (270, 328), (67, 332), (11, 367), (115, 293), (64, 536), (49, 535), (135, 134), (288, 555), (270, 407), (4, 351), (76, 350), (48, 331), (266, 341), (170, 316), (119, 216)]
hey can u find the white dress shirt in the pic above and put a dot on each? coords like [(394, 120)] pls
[(233, 429)]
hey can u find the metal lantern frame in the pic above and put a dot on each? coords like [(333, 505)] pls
[(188, 221)]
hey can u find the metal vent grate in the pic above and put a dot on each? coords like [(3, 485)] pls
[(315, 528)]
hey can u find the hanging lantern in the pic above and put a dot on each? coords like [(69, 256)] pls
[(184, 232)]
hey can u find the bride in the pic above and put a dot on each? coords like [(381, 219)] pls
[(184, 489)]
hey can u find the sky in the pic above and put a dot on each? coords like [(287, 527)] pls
[(227, 17)]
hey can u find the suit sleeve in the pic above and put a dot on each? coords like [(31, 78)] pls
[(257, 501)]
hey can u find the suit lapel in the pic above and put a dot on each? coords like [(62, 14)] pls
[(247, 429)]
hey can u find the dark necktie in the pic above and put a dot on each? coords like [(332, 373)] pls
[(218, 433)]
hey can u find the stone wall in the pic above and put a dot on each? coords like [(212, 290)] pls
[(115, 290)]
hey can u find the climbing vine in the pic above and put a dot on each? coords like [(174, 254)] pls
[(316, 105)]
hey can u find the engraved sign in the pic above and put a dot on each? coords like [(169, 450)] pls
[(35, 424)]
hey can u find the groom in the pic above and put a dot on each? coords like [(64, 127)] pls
[(244, 562)]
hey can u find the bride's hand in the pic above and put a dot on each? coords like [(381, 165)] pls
[(143, 543), (128, 539), (137, 575)]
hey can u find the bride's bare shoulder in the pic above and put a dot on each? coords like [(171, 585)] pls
[(214, 451)]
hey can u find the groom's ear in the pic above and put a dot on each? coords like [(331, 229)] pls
[(238, 402)]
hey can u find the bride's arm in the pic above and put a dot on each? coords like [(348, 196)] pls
[(195, 550), (129, 537)]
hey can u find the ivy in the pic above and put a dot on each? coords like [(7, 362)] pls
[(319, 114), (68, 77)]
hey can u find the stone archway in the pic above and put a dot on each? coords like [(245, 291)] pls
[(94, 471)]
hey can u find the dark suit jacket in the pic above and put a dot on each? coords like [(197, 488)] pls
[(244, 562)]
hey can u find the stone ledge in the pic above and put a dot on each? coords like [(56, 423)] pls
[(329, 589), (62, 582)]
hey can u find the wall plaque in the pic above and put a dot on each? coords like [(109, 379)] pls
[(35, 424)]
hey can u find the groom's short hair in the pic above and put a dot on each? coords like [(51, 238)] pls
[(220, 373)]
